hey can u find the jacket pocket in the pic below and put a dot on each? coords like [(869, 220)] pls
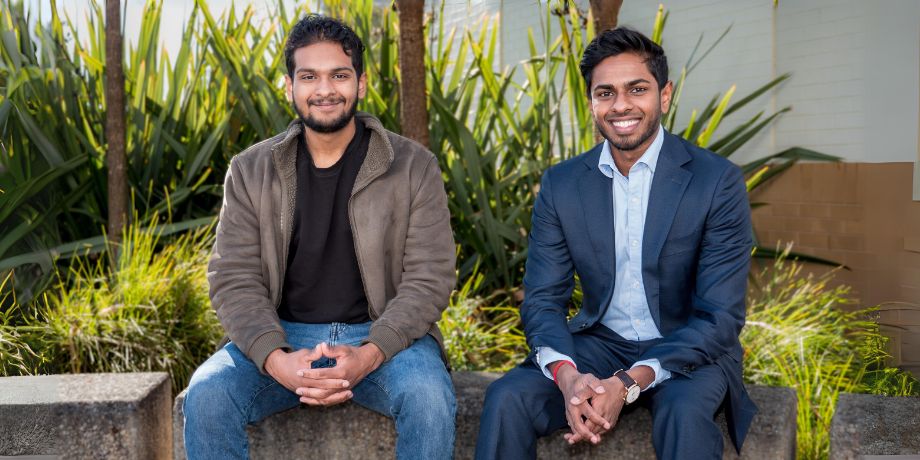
[(680, 245)]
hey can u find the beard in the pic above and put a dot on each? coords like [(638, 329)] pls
[(630, 143), (334, 125)]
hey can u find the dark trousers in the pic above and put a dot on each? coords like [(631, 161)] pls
[(524, 405)]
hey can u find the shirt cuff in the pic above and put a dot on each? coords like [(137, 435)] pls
[(660, 374), (546, 356)]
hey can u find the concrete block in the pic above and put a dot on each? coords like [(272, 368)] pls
[(309, 432), (865, 425), (93, 416)]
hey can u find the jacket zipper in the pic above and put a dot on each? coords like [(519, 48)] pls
[(354, 233), (354, 236), (285, 234)]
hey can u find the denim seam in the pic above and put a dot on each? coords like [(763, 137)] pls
[(335, 331), (253, 399), (386, 391)]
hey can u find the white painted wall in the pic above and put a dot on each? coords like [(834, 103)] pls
[(855, 86), (855, 66), (742, 58)]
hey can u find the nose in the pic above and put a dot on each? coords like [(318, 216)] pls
[(621, 104), (324, 87)]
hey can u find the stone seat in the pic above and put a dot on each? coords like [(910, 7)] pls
[(86, 416), (873, 426), (312, 432)]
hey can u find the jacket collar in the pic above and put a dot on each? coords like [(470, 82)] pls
[(379, 150)]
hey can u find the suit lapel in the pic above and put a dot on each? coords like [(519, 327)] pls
[(596, 197), (668, 188)]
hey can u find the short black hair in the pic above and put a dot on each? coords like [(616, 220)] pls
[(613, 42), (314, 28)]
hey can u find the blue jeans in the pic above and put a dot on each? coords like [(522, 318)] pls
[(228, 392)]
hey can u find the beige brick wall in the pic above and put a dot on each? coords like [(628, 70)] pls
[(862, 215)]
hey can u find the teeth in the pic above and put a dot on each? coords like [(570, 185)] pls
[(625, 124)]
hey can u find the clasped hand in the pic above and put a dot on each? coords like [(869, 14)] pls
[(592, 406), (324, 386)]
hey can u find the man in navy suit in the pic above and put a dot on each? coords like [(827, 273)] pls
[(659, 233)]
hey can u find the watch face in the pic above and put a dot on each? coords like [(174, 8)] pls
[(632, 394)]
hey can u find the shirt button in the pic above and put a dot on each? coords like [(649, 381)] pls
[(636, 284), (635, 243), (635, 200)]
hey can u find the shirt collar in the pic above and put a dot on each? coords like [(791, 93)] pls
[(649, 158)]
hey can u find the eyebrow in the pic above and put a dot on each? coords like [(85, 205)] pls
[(337, 69), (635, 82)]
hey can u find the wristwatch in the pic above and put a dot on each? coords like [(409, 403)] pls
[(632, 388)]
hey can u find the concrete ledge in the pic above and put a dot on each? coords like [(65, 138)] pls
[(309, 432), (873, 425), (98, 416)]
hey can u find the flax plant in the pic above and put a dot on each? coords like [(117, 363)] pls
[(186, 116)]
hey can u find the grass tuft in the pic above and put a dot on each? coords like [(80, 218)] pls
[(149, 311), (803, 332), (479, 337)]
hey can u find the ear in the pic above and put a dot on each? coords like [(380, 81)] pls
[(362, 85), (289, 88), (665, 96)]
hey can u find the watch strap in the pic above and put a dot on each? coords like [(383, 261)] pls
[(625, 378), (631, 387)]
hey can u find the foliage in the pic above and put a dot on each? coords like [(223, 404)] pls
[(16, 356), (150, 312), (803, 333), (494, 130), (186, 116), (479, 337)]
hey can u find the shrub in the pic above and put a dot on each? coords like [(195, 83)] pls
[(802, 332), (149, 311), (479, 337), (16, 356)]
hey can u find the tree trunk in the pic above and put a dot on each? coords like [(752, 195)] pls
[(605, 14), (413, 111), (115, 122)]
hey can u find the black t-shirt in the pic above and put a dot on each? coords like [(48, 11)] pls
[(323, 282)]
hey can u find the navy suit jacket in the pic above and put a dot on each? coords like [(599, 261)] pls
[(695, 261)]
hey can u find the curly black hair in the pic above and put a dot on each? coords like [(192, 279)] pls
[(315, 28)]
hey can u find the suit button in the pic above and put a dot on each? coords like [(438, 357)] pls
[(583, 325)]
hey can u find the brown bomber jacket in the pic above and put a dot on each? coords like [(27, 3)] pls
[(401, 228)]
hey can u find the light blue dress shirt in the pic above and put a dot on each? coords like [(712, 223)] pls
[(627, 314)]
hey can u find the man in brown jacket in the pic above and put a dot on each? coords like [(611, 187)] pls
[(333, 261)]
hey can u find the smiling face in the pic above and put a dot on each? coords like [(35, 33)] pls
[(627, 103), (325, 88)]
